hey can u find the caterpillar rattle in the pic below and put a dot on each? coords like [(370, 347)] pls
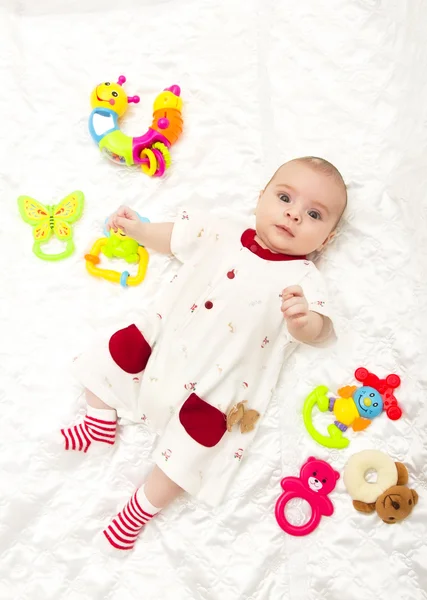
[(149, 151)]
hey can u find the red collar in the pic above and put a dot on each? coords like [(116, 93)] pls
[(248, 241)]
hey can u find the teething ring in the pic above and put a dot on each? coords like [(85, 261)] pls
[(124, 278), (151, 168), (165, 152), (161, 164), (288, 527), (356, 468)]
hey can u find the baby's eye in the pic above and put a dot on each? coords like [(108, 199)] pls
[(107, 83), (375, 404), (115, 94), (323, 480), (314, 214), (314, 473), (284, 198), (372, 395)]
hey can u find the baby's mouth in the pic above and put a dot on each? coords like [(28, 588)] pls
[(285, 230)]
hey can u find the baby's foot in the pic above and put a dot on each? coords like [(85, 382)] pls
[(127, 525), (93, 429)]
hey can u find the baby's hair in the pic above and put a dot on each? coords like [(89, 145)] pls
[(324, 166)]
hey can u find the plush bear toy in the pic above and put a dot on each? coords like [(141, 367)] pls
[(387, 495)]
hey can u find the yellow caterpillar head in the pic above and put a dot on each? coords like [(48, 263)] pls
[(169, 98), (112, 96)]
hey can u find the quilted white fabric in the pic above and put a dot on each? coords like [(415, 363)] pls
[(262, 81)]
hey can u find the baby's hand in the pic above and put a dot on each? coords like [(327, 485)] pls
[(126, 219), (295, 306)]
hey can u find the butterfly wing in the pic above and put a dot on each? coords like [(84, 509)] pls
[(42, 231), (31, 211), (248, 421), (70, 208), (62, 230), (235, 415)]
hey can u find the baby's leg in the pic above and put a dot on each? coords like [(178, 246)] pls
[(99, 425), (157, 492)]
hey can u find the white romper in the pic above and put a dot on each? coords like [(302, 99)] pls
[(217, 337)]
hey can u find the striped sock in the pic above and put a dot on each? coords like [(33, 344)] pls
[(126, 526), (99, 425)]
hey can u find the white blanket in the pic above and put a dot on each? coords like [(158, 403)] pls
[(262, 81)]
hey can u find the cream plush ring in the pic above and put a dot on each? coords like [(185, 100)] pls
[(356, 468)]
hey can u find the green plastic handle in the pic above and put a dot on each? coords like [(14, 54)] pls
[(69, 249), (319, 398)]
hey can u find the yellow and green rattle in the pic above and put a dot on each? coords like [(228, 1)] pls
[(118, 245), (52, 219)]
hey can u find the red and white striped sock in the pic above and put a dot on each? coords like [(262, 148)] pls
[(126, 526), (99, 425)]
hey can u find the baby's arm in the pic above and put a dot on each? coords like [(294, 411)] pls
[(156, 236), (304, 325)]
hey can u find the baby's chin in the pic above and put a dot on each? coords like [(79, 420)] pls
[(276, 243)]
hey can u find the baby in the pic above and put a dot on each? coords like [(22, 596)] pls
[(213, 347)]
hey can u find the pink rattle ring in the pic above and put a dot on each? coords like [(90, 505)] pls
[(317, 479)]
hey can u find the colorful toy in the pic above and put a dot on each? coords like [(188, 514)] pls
[(54, 219), (118, 245), (151, 150), (354, 407), (317, 479), (387, 496)]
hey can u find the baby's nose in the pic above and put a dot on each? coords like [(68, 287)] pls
[(367, 402), (293, 215)]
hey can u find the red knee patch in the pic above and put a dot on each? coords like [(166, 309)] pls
[(129, 349), (204, 423)]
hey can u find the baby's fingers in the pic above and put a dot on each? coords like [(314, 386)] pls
[(292, 290), (112, 223), (127, 213), (291, 301), (294, 311)]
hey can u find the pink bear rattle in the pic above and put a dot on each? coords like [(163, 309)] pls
[(317, 479)]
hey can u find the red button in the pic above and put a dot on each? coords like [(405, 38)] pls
[(231, 274), (208, 304), (253, 248)]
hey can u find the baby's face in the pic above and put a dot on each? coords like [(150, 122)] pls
[(298, 210)]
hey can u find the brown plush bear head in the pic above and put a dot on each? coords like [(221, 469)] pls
[(393, 506), (396, 504)]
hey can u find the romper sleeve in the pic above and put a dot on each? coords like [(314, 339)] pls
[(191, 232), (315, 291)]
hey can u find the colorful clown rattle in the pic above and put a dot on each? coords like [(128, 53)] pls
[(118, 245), (151, 150), (317, 479), (354, 407)]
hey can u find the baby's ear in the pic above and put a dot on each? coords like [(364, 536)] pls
[(364, 506), (414, 496), (327, 241)]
